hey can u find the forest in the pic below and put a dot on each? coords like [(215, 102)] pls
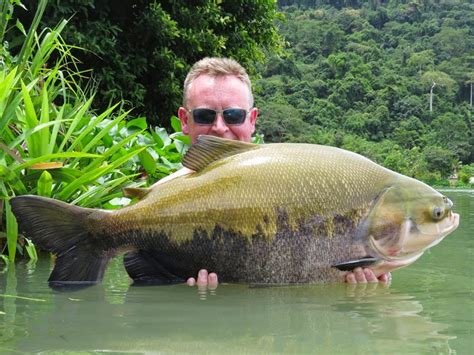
[(89, 88), (390, 80)]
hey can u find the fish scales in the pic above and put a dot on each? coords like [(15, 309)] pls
[(276, 213), (196, 202)]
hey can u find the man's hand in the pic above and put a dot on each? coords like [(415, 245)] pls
[(366, 275), (204, 280), (358, 276)]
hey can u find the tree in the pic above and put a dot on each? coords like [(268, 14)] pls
[(278, 122), (439, 159), (421, 61), (141, 50), (452, 132), (437, 78)]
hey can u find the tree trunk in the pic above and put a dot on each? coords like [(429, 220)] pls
[(471, 96), (431, 96)]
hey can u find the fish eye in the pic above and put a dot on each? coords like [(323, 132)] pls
[(438, 213)]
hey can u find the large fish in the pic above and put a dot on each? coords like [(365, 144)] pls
[(273, 213)]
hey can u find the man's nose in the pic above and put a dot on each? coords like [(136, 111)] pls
[(219, 124)]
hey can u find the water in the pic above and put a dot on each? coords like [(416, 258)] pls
[(428, 308)]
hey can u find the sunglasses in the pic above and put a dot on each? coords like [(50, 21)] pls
[(206, 116)]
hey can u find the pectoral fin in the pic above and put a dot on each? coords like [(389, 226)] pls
[(135, 192), (352, 264)]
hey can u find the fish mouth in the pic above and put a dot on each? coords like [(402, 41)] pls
[(454, 218)]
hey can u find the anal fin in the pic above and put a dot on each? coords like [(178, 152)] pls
[(352, 264)]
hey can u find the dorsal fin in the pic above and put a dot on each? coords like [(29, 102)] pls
[(209, 149), (135, 192)]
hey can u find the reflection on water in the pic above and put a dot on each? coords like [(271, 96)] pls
[(427, 309)]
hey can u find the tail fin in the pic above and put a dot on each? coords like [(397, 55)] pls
[(62, 229)]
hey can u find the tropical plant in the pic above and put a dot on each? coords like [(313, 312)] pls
[(51, 142)]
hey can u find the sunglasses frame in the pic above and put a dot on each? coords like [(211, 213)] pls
[(216, 112)]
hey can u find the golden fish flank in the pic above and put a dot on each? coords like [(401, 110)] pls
[(257, 184)]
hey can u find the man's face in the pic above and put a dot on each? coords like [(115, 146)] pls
[(218, 93)]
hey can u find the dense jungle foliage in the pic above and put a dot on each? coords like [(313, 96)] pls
[(141, 50), (391, 80)]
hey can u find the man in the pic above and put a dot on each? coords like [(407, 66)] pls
[(218, 101)]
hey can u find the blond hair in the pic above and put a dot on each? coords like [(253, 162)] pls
[(217, 67)]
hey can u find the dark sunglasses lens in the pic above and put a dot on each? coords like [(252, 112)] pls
[(234, 116), (204, 116)]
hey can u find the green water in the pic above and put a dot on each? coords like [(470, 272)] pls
[(428, 308)]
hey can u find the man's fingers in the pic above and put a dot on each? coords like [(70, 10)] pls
[(370, 276), (386, 277), (359, 275), (202, 278), (350, 278), (205, 280), (212, 281)]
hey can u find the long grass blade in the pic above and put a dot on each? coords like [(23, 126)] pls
[(90, 127), (27, 47), (69, 190), (20, 138), (12, 232), (44, 118), (89, 198), (31, 121), (8, 114), (54, 133), (111, 151), (75, 121), (103, 132)]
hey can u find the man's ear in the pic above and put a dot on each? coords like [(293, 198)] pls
[(183, 117), (253, 117)]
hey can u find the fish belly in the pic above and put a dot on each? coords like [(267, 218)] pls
[(294, 255)]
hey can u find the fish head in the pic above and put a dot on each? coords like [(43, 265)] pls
[(407, 219)]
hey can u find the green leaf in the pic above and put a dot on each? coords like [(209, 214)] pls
[(91, 176), (147, 162), (176, 124), (54, 133), (138, 122), (31, 250), (110, 152), (12, 232), (75, 121), (44, 118), (19, 25), (45, 184), (161, 137), (88, 129)]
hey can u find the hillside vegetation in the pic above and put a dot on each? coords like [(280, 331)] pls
[(391, 80)]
